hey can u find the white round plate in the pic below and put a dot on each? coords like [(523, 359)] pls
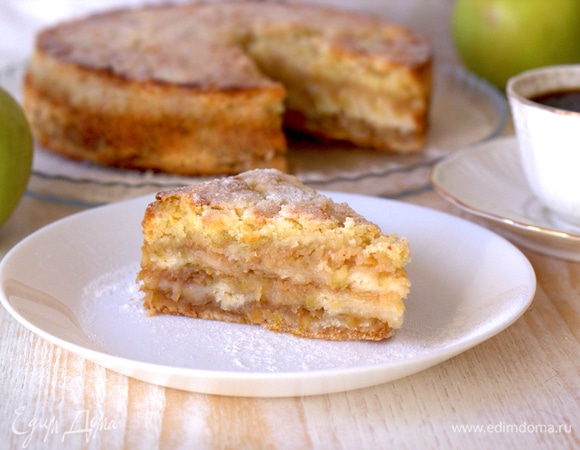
[(465, 110), (488, 181), (73, 283)]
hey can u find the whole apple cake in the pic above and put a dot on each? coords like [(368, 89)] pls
[(262, 248), (206, 88)]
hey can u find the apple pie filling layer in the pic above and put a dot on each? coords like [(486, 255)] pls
[(257, 302), (235, 293)]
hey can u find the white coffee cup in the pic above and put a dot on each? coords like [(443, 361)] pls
[(549, 139)]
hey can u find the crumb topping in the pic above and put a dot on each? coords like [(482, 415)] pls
[(267, 192), (207, 45)]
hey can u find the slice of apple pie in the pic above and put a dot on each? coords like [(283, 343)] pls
[(262, 248)]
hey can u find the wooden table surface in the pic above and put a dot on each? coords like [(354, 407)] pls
[(519, 389)]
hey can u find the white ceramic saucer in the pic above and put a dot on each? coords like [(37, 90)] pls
[(487, 180)]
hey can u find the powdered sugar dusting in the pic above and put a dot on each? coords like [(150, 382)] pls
[(111, 314)]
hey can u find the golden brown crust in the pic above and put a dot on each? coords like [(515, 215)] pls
[(153, 125), (262, 248), (189, 89)]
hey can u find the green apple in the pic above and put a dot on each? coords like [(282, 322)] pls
[(497, 39), (16, 148)]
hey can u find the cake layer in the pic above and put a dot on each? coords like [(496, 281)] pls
[(204, 88), (92, 115), (264, 241)]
